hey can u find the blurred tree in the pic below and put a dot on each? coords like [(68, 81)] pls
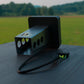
[(44, 10), (50, 11), (32, 9), (28, 9), (13, 9), (38, 11), (1, 11)]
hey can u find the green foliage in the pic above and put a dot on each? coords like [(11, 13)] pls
[(13, 9), (1, 11), (50, 11), (76, 8), (44, 10), (38, 11)]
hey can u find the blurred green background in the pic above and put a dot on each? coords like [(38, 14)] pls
[(72, 29)]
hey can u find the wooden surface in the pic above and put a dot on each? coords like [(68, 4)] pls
[(70, 71)]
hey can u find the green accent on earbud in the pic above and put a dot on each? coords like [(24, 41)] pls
[(62, 56)]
